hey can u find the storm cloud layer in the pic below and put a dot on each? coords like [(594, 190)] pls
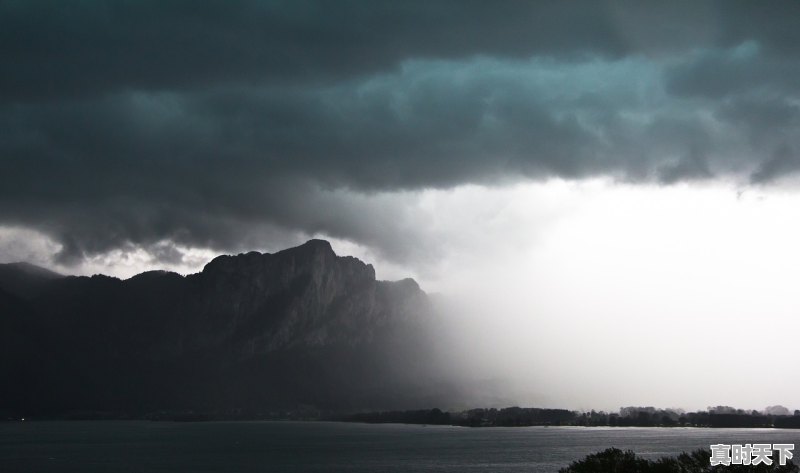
[(222, 124)]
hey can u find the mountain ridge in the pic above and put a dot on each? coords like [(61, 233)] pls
[(254, 331), (46, 273)]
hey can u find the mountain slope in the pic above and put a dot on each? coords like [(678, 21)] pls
[(24, 279), (250, 333)]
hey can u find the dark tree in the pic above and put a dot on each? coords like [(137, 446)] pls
[(614, 460)]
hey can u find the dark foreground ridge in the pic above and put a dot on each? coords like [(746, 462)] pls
[(301, 330)]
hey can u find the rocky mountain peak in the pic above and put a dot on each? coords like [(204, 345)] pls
[(298, 326), (315, 245), (315, 258)]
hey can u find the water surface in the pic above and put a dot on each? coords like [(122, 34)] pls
[(265, 447)]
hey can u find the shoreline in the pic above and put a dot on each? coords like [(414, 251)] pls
[(330, 421)]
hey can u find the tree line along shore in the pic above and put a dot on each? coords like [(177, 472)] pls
[(721, 416)]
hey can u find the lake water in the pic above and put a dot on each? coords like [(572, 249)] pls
[(265, 447)]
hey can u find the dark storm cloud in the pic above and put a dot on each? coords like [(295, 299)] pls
[(218, 123), (56, 48), (744, 69), (784, 161), (692, 166)]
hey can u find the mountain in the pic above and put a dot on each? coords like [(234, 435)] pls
[(24, 279), (248, 335)]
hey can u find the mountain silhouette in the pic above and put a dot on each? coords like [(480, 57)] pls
[(249, 334)]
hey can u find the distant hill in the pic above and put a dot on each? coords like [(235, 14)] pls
[(24, 279), (251, 334)]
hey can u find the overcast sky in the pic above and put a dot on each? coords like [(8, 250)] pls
[(585, 171)]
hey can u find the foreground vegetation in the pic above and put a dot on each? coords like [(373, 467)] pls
[(614, 460)]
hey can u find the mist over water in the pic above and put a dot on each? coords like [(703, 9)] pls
[(671, 297), (587, 294)]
